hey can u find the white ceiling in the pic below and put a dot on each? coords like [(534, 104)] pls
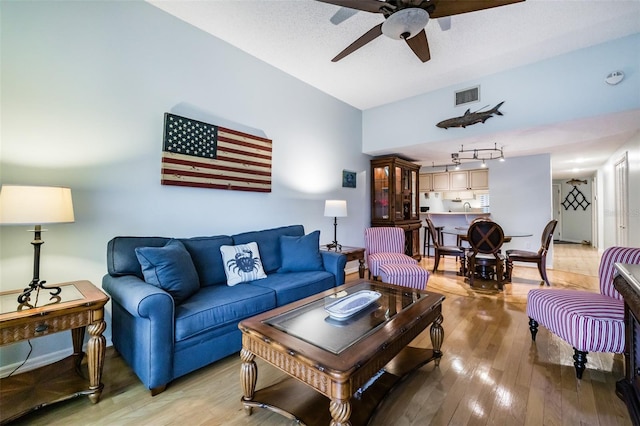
[(298, 37)]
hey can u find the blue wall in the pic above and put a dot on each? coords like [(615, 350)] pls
[(559, 89), (84, 89)]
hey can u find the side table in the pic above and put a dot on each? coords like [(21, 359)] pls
[(79, 306), (352, 253)]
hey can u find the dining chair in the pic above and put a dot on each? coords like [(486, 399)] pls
[(539, 257), (428, 238), (385, 244), (442, 250), (484, 257), (589, 322)]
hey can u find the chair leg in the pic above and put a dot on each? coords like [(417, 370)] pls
[(463, 266), (500, 275), (509, 270), (436, 261), (579, 361), (533, 328), (542, 267)]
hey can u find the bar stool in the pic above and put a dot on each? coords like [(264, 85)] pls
[(427, 238)]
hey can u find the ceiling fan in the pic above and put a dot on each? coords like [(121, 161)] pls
[(406, 19)]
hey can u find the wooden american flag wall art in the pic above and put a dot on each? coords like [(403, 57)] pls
[(203, 155)]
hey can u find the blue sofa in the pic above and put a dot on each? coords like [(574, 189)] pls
[(162, 336)]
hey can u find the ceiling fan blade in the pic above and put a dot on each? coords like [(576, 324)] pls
[(372, 34), (342, 15), (373, 6), (420, 46), (455, 7), (445, 23)]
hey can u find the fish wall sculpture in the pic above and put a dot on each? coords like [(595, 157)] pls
[(470, 118)]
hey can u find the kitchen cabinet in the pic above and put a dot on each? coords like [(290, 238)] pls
[(394, 198), (430, 182), (440, 181), (458, 180), (479, 179), (425, 182), (458, 195), (468, 179)]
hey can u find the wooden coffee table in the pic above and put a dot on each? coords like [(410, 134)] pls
[(339, 370)]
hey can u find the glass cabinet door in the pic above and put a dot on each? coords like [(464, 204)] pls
[(381, 200), (414, 194), (399, 187)]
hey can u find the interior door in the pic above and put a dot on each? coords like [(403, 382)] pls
[(621, 199), (557, 211)]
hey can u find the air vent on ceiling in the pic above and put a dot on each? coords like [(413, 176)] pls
[(469, 95)]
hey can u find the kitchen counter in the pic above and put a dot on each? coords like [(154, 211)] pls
[(451, 220)]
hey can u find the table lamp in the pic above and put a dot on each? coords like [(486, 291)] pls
[(35, 205), (335, 208)]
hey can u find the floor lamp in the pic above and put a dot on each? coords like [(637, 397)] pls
[(335, 208), (35, 205)]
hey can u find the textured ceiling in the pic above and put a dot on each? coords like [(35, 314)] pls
[(297, 36)]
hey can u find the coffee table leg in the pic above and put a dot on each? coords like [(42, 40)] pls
[(248, 377), (437, 336), (340, 412)]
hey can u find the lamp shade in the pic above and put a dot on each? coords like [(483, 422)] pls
[(33, 205), (405, 23), (335, 208)]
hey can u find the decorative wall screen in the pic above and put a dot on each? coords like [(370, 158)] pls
[(203, 155), (574, 199)]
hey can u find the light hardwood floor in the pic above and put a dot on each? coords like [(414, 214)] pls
[(491, 372)]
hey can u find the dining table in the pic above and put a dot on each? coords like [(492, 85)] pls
[(461, 234), (484, 272)]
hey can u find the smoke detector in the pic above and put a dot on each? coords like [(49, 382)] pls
[(614, 78)]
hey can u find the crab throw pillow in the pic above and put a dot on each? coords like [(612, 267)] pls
[(242, 263)]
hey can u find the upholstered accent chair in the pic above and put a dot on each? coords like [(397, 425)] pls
[(442, 250), (590, 322), (385, 244), (538, 257)]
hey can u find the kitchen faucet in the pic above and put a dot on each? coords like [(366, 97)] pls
[(466, 206)]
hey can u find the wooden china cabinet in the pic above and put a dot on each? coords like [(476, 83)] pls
[(394, 198)]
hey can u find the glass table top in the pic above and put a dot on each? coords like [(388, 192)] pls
[(41, 297), (314, 324)]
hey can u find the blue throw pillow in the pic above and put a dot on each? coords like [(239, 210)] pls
[(301, 253), (170, 268)]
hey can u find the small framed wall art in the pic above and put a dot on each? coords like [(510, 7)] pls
[(348, 179)]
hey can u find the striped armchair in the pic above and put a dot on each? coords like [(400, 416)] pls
[(590, 322), (384, 245)]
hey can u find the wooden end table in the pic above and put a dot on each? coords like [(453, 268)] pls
[(346, 366), (352, 253), (79, 306)]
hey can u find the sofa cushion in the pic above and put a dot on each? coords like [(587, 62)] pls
[(301, 253), (217, 306), (269, 243), (242, 263), (169, 267), (292, 286), (205, 252), (121, 255)]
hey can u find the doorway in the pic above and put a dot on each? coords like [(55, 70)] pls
[(621, 191), (557, 213)]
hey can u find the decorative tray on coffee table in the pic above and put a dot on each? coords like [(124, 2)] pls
[(352, 304)]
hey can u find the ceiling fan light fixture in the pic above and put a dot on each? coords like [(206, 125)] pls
[(405, 23)]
